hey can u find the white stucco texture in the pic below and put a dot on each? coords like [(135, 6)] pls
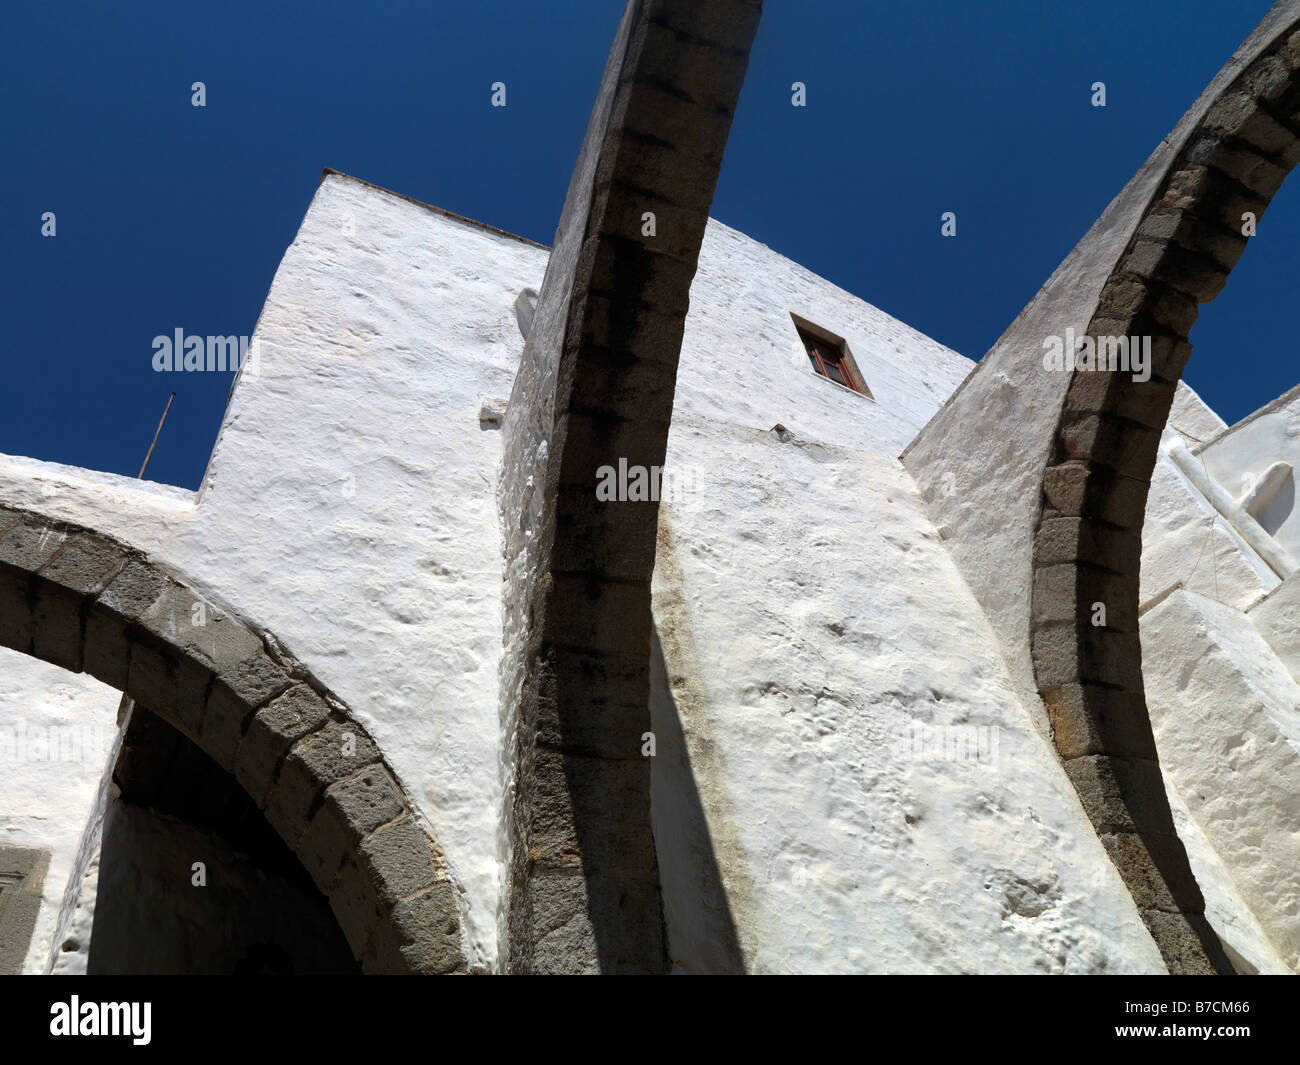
[(1226, 715), (56, 731), (1239, 455), (811, 621), (852, 779)]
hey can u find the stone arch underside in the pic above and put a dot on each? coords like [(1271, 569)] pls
[(88, 603), (595, 389), (1228, 160)]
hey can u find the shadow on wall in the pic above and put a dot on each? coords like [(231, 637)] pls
[(701, 932), (257, 911), (1277, 512)]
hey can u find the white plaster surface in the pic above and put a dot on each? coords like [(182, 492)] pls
[(979, 462), (1226, 715), (348, 505), (1186, 541), (1278, 620), (810, 618), (1192, 416), (56, 731), (808, 611), (1225, 909), (1240, 454), (743, 362)]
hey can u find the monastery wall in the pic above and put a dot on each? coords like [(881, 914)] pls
[(845, 778)]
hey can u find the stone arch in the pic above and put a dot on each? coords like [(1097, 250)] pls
[(1229, 160), (83, 601)]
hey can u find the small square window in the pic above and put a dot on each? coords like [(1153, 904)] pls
[(830, 356)]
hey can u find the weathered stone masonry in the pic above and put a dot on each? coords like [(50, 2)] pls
[(85, 602), (595, 386), (1046, 520), (1088, 540)]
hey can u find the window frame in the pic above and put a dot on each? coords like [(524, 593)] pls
[(817, 343)]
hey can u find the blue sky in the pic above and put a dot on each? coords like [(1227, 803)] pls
[(174, 216)]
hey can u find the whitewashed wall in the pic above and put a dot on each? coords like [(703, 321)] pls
[(348, 506), (56, 732), (1241, 453), (808, 611)]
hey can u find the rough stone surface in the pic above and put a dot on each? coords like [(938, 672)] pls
[(353, 808), (147, 636), (353, 349), (313, 763), (273, 730), (611, 303), (422, 936)]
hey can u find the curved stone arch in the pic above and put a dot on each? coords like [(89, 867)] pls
[(1087, 540), (88, 603)]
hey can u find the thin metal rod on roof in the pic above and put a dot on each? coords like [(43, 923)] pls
[(140, 476)]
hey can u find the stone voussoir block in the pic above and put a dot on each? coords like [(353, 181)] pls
[(235, 694), (1267, 78), (1125, 447), (631, 269), (120, 606), (603, 381), (183, 618), (1103, 392), (677, 230), (1169, 357), (1230, 207), (727, 26), (1238, 114), (421, 936), (314, 762), (609, 797), (355, 905), (153, 678), (611, 693), (1078, 488), (275, 728), (1182, 938), (1121, 298), (659, 167), (1073, 593), (1081, 539), (1121, 794), (81, 569), (594, 438), (1192, 231), (86, 564), (9, 518), (1289, 52), (611, 538), (1155, 870), (657, 104), (1191, 272), (352, 809), (400, 859), (1091, 719), (29, 543), (1066, 655), (1240, 162), (589, 614), (609, 325), (1175, 311), (1187, 186)]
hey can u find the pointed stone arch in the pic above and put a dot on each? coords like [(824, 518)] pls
[(88, 603), (1230, 156)]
